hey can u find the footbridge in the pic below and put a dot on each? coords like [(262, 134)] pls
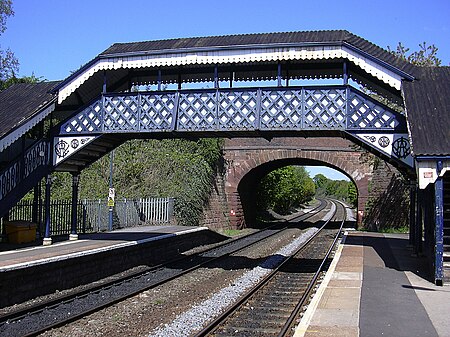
[(240, 86)]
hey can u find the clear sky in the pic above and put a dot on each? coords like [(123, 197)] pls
[(54, 37)]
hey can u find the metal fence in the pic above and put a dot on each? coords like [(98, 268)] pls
[(93, 215)]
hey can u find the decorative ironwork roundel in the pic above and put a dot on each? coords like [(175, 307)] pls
[(401, 147), (62, 148), (383, 141), (371, 138), (74, 143)]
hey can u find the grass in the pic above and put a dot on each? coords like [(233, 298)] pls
[(234, 232), (389, 230), (403, 230)]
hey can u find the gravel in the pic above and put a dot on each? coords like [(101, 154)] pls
[(194, 319)]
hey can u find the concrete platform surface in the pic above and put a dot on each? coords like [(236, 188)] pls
[(375, 287), (87, 244)]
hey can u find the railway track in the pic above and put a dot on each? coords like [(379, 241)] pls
[(44, 316), (272, 306)]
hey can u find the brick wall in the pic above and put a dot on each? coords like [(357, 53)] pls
[(23, 284), (249, 159)]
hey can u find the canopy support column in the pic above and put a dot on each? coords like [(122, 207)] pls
[(279, 74), (345, 73), (418, 224), (159, 79), (412, 214), (73, 228), (439, 227), (47, 238)]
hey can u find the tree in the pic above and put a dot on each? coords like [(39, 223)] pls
[(339, 189), (285, 188), (426, 56), (9, 65)]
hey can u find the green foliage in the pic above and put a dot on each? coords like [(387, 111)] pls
[(352, 194), (426, 56), (6, 11), (151, 168), (12, 79), (285, 188), (338, 189), (9, 65)]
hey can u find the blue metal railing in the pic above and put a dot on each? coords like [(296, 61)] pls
[(21, 168), (241, 109)]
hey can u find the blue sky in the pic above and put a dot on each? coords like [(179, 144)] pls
[(327, 172), (52, 38)]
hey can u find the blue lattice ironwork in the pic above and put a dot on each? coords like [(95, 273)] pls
[(295, 108), (156, 111), (197, 111), (121, 113), (364, 113), (238, 110), (281, 109), (324, 108), (89, 120), (34, 158)]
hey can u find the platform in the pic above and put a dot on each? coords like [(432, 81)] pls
[(88, 244), (375, 287), (34, 271)]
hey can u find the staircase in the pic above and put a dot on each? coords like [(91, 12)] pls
[(446, 228), (22, 174)]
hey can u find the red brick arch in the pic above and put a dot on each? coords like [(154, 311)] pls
[(244, 156)]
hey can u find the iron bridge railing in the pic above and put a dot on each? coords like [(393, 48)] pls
[(18, 170), (235, 109)]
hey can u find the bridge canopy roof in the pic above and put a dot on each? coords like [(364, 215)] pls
[(282, 39), (246, 57)]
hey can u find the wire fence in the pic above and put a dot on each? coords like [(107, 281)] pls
[(93, 215)]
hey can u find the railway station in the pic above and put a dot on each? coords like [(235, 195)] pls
[(278, 99)]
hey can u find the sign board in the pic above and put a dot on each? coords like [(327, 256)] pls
[(111, 196)]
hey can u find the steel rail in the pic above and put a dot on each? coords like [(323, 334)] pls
[(313, 282), (214, 324), (36, 309)]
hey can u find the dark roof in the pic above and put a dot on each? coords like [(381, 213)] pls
[(427, 101), (22, 101), (286, 38)]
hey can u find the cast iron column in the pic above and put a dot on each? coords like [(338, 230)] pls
[(48, 184), (412, 213), (418, 223), (73, 229), (439, 227)]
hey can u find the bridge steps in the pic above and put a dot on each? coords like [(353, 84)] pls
[(446, 229), (22, 174)]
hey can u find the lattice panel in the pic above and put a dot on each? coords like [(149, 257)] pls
[(281, 109), (88, 120), (35, 157), (121, 113), (197, 111), (365, 114), (324, 108), (157, 112), (238, 110)]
